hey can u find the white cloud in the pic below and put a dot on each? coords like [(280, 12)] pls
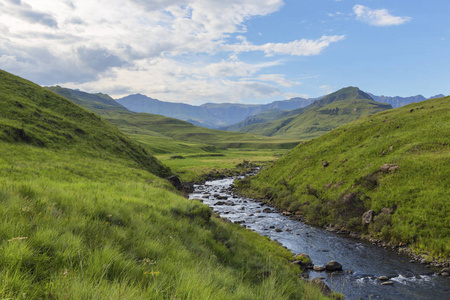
[(172, 49), (378, 17), (303, 47)]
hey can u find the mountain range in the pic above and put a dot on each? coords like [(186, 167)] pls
[(210, 115), (331, 111), (224, 115)]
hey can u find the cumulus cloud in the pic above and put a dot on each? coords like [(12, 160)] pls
[(178, 50), (378, 17)]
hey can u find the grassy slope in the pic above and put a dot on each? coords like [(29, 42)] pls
[(35, 116), (81, 220), (263, 117), (323, 115), (99, 103), (415, 137), (183, 131), (159, 134)]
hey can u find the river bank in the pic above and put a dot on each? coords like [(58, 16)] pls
[(401, 248), (363, 263)]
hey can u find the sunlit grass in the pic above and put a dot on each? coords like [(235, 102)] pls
[(415, 138)]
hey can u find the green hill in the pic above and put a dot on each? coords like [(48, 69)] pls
[(159, 134), (396, 163), (321, 116), (99, 103), (81, 217), (35, 116)]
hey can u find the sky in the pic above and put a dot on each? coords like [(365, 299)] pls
[(237, 51)]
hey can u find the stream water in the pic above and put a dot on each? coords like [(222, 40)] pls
[(362, 262)]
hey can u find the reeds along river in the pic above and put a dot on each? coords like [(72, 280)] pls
[(362, 262)]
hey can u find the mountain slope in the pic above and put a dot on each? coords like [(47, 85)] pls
[(211, 115), (321, 116), (161, 134), (396, 163), (32, 115), (99, 103)]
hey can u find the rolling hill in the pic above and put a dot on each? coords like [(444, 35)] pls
[(323, 115), (159, 134), (395, 163)]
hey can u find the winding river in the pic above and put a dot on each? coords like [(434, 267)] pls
[(362, 262)]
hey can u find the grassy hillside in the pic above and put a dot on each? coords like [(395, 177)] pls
[(99, 103), (338, 176), (34, 116), (159, 134), (82, 219), (265, 116), (178, 130), (323, 115)]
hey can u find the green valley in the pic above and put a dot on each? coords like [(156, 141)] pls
[(394, 166), (85, 214)]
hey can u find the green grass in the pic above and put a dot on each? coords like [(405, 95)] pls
[(34, 116), (194, 167), (86, 218), (415, 137), (68, 231)]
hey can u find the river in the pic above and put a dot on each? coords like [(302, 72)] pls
[(362, 262)]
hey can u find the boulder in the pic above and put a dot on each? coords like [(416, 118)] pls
[(187, 187), (367, 217), (388, 168), (387, 283), (175, 181), (322, 286), (387, 210), (383, 278), (319, 268), (325, 163), (266, 210), (333, 266), (349, 198)]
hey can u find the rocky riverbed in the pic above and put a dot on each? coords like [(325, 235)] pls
[(367, 270)]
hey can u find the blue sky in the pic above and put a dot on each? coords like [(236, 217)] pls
[(247, 51)]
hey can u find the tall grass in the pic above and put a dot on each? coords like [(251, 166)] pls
[(87, 228)]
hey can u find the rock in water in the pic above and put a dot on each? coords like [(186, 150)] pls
[(333, 266), (319, 268)]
